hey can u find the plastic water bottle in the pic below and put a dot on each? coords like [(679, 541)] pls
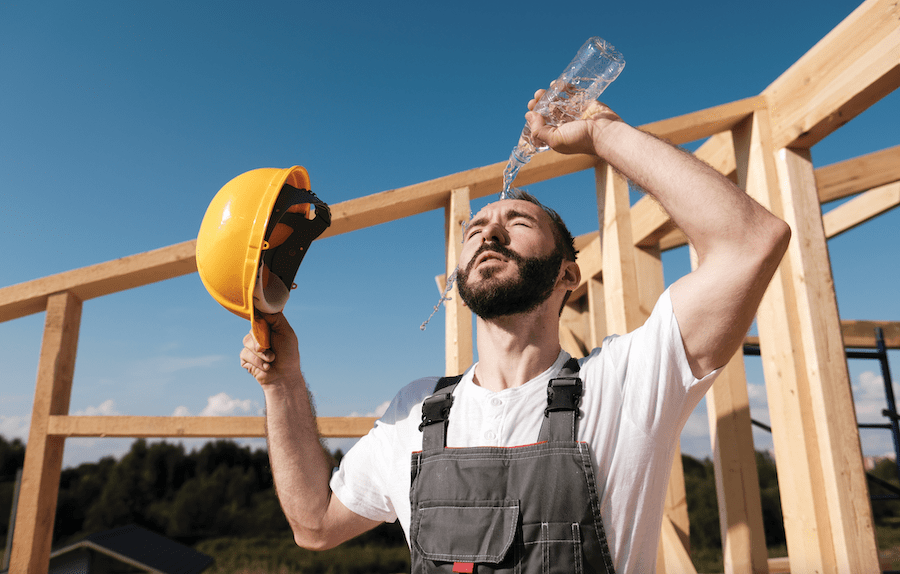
[(595, 66)]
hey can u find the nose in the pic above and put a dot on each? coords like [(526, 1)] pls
[(495, 232)]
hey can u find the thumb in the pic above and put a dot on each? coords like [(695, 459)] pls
[(539, 130)]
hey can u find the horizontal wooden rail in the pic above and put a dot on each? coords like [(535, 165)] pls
[(861, 209), (860, 334), (849, 177), (650, 224), (97, 280), (176, 260), (705, 123), (192, 427)]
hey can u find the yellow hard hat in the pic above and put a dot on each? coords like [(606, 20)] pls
[(253, 238)]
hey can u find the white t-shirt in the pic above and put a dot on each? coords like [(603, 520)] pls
[(638, 393)]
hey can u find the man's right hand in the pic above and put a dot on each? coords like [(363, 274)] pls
[(280, 363)]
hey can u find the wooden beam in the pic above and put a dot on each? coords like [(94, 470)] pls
[(704, 123), (43, 457), (192, 427), (596, 311), (852, 176), (574, 330), (395, 204), (590, 261), (673, 557), (861, 209), (851, 68), (97, 280), (827, 398), (737, 482), (619, 275), (402, 202), (804, 503), (458, 321), (860, 334)]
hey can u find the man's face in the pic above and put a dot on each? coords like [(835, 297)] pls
[(509, 262)]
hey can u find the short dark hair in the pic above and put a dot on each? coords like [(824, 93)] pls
[(565, 242)]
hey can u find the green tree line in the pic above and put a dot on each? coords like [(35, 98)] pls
[(225, 490)]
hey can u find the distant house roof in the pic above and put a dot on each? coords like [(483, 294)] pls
[(137, 547)]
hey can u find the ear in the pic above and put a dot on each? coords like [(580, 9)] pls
[(569, 275)]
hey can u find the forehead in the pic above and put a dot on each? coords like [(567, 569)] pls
[(508, 208)]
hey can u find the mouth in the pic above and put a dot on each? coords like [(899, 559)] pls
[(488, 256)]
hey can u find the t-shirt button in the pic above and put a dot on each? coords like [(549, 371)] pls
[(490, 435), (496, 402)]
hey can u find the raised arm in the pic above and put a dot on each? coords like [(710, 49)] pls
[(300, 466), (738, 243)]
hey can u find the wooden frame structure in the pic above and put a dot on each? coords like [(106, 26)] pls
[(763, 143)]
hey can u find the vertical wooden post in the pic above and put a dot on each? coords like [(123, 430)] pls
[(596, 311), (827, 515), (806, 523), (593, 305), (737, 479), (574, 329), (830, 395), (44, 453), (620, 284), (458, 339)]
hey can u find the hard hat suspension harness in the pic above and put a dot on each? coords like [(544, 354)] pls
[(298, 218)]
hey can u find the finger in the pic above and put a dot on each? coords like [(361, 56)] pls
[(251, 346), (535, 121), (594, 109), (252, 359), (537, 97)]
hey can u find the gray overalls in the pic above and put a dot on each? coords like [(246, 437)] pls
[(529, 509)]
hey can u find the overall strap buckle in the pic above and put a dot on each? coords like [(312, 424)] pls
[(563, 399), (436, 413), (436, 409), (563, 394)]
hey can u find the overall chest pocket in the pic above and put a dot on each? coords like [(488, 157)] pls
[(445, 534)]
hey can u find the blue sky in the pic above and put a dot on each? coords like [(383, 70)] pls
[(121, 120)]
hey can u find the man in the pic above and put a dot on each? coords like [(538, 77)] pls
[(528, 508)]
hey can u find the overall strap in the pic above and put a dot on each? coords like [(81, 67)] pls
[(563, 397), (435, 414)]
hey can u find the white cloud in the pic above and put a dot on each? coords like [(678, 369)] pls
[(757, 396), (869, 397), (697, 425), (378, 412), (182, 411), (222, 405), (106, 408), (15, 427)]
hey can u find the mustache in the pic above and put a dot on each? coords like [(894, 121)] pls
[(495, 248)]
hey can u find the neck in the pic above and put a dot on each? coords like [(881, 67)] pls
[(514, 349)]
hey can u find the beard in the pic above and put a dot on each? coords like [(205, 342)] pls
[(491, 297)]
